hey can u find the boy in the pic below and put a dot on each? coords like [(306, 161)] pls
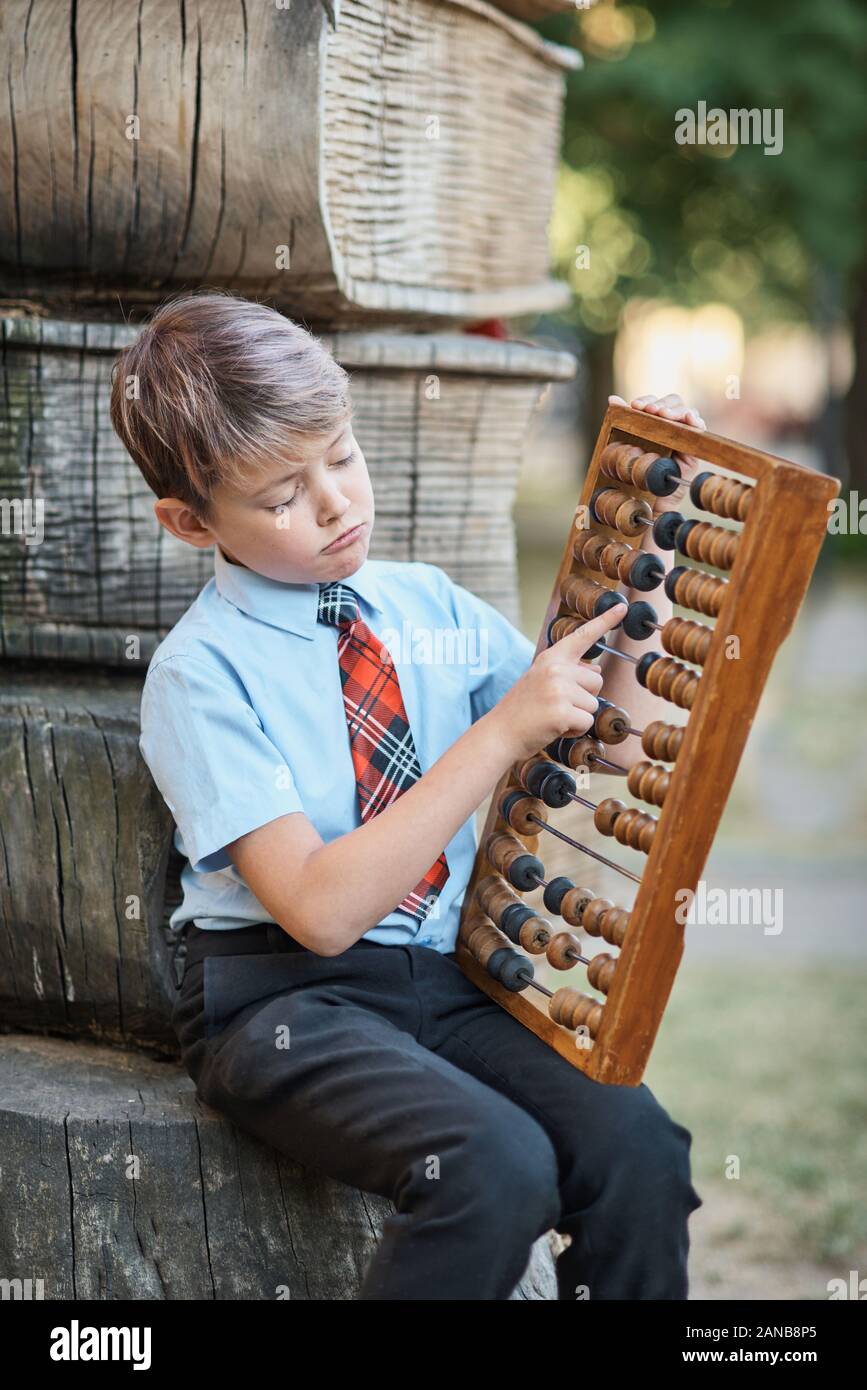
[(316, 782)]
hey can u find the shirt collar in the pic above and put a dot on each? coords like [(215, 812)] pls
[(290, 606)]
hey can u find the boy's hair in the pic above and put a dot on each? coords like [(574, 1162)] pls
[(216, 386)]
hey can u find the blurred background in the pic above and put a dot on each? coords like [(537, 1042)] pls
[(739, 280)]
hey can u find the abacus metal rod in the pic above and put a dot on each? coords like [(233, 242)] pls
[(575, 845), (535, 983), (576, 955), (624, 656), (616, 767)]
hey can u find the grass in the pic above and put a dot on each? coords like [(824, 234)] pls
[(766, 1068)]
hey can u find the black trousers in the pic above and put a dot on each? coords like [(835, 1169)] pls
[(386, 1068)]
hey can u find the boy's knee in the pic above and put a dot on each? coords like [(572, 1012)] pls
[(511, 1165), (658, 1155)]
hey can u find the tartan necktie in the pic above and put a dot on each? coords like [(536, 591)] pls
[(380, 739)]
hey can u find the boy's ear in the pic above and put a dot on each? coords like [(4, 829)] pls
[(180, 520)]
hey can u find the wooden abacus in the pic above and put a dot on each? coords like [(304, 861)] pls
[(782, 511)]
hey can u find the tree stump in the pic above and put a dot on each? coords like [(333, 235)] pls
[(88, 575), (366, 163), (118, 1183)]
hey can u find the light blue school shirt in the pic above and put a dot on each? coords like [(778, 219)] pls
[(242, 720)]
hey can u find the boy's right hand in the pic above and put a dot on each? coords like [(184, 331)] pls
[(557, 695)]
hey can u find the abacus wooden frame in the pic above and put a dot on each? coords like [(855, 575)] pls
[(780, 542)]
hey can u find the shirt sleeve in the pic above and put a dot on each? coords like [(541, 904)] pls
[(218, 772), (502, 652)]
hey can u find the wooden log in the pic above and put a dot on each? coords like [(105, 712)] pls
[(88, 872), (394, 163), (532, 11), (126, 1186), (442, 420)]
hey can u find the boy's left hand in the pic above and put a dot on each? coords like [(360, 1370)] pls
[(671, 407)]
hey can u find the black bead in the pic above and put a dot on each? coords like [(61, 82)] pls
[(644, 666), (696, 486), (647, 571), (525, 872), (555, 892), (511, 969), (665, 530), (638, 621), (683, 532), (514, 918), (671, 580), (663, 477), (609, 599)]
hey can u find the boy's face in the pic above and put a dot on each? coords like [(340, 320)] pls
[(283, 521)]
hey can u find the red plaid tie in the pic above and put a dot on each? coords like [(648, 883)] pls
[(380, 739)]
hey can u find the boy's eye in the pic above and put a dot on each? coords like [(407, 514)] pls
[(338, 463), (278, 506)]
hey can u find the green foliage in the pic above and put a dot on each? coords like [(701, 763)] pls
[(700, 222)]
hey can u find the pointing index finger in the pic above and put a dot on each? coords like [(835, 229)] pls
[(584, 636)]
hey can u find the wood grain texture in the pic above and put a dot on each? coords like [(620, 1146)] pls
[(127, 1186), (779, 545), (442, 420), (148, 148), (533, 11), (88, 874)]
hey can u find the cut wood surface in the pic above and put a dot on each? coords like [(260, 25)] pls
[(88, 875), (396, 165), (119, 1183)]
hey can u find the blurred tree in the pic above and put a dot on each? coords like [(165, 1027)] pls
[(773, 235)]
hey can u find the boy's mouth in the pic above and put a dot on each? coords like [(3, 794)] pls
[(346, 538)]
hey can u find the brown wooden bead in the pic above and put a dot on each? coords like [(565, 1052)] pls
[(584, 751), (612, 725), (601, 918), (649, 781), (534, 935), (481, 938), (600, 971), (593, 915), (575, 1010), (700, 591), (606, 814), (613, 558), (662, 741), (564, 627), (521, 811), (617, 462), (614, 924), (622, 512), (684, 638), (494, 895), (502, 850), (573, 904), (672, 681), (726, 497), (711, 545), (562, 950), (635, 829), (581, 595), (626, 463)]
